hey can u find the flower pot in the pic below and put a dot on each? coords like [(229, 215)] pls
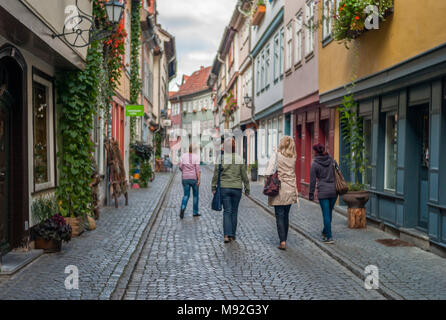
[(48, 246), (254, 174), (77, 225), (356, 199), (258, 15)]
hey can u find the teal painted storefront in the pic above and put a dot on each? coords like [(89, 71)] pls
[(404, 112)]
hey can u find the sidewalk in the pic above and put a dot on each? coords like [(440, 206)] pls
[(102, 256), (404, 272)]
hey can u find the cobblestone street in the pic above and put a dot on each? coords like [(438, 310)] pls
[(100, 255), (144, 251), (187, 259)]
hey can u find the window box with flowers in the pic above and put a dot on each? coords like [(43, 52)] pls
[(259, 13), (351, 16)]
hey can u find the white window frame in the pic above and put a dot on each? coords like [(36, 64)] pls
[(267, 64), (298, 41), (276, 57), (327, 26), (262, 70), (282, 50), (289, 46), (50, 136), (309, 34)]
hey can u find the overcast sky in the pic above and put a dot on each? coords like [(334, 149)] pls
[(197, 26)]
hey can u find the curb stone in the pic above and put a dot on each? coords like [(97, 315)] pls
[(121, 287)]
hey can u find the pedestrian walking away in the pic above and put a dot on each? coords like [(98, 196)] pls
[(322, 173), (191, 174), (233, 177), (284, 162)]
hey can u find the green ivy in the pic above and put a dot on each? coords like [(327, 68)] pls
[(77, 93), (135, 80)]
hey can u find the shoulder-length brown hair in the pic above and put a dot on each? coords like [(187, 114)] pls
[(287, 148)]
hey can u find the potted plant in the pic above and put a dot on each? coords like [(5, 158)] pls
[(254, 172), (259, 13), (352, 133), (52, 228)]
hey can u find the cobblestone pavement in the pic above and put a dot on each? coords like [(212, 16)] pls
[(410, 272), (187, 259), (100, 255)]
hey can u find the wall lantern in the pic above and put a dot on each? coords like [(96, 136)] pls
[(79, 28), (247, 100), (115, 10)]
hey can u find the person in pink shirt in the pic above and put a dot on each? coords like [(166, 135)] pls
[(191, 173)]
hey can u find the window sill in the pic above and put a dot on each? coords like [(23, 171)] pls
[(298, 65), (309, 56), (327, 41)]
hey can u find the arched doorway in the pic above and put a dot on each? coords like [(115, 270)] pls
[(14, 197)]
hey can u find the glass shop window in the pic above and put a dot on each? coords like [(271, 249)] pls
[(391, 152)]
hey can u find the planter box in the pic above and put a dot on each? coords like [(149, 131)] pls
[(48, 246), (258, 15), (77, 225)]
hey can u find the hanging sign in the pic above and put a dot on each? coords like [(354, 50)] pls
[(134, 111)]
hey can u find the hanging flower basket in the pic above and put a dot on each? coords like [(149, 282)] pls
[(194, 111), (231, 107), (258, 14), (351, 17), (203, 109)]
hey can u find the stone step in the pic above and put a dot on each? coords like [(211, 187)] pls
[(15, 260)]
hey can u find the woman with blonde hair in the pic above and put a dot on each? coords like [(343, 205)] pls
[(284, 161)]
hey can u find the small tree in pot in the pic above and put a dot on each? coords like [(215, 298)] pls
[(352, 133)]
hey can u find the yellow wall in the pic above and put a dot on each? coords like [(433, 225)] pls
[(414, 27)]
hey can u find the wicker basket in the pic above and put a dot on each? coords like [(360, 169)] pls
[(77, 225)]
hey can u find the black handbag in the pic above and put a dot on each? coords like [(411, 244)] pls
[(217, 203)]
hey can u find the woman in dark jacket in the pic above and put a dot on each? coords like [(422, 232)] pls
[(322, 172)]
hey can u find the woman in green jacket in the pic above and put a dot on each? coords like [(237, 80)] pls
[(233, 175)]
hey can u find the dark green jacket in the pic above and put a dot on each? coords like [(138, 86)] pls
[(232, 175)]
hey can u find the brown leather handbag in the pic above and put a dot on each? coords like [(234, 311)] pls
[(341, 185), (272, 184)]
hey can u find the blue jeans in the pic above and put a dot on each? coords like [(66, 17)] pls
[(282, 220), (327, 206), (187, 184), (231, 199)]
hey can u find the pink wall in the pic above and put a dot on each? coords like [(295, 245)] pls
[(303, 80)]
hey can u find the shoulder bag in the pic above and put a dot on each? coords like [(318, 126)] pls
[(217, 200), (272, 184), (341, 185)]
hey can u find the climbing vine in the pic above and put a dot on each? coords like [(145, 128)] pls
[(77, 93), (81, 94), (135, 79)]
